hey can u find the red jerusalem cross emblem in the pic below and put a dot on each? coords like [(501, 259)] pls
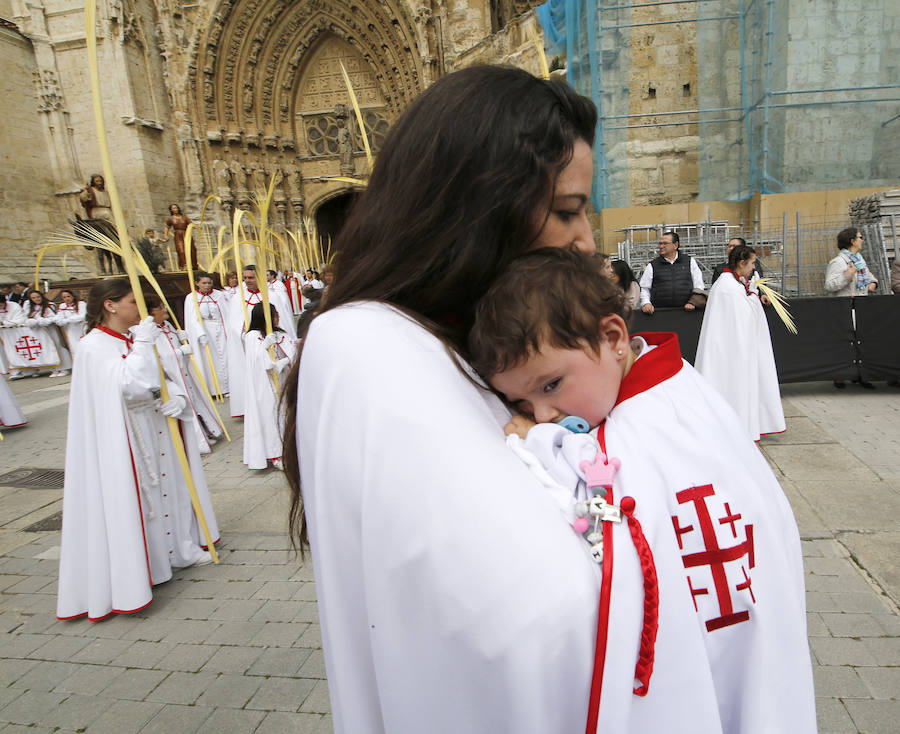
[(716, 556), (29, 347)]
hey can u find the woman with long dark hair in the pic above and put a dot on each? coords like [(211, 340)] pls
[(127, 518), (623, 276), (70, 318), (40, 315), (452, 595)]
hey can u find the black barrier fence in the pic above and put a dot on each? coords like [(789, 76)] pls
[(836, 339)]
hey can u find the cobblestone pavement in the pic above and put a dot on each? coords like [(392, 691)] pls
[(236, 648)]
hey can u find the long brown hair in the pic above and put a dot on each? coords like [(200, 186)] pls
[(41, 307), (451, 200), (75, 299), (112, 289)]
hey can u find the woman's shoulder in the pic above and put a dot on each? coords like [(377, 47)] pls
[(366, 321), (375, 338)]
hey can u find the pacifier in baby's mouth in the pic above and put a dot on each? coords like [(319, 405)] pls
[(575, 424)]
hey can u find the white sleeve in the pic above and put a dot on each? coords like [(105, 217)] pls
[(646, 282), (443, 567), (696, 275), (141, 371)]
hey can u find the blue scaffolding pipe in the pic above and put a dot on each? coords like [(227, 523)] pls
[(744, 95), (673, 112), (652, 5), (673, 124), (670, 22), (836, 89), (780, 105), (833, 101), (770, 17)]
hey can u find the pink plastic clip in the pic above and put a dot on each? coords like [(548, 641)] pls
[(600, 472)]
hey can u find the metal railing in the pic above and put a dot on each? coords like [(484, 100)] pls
[(794, 251)]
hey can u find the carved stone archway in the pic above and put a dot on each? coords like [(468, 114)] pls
[(265, 88)]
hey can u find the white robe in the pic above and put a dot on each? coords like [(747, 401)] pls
[(10, 315), (34, 333), (10, 413), (214, 310), (71, 322), (237, 307), (263, 421), (703, 492), (453, 597), (125, 503), (735, 355), (179, 369)]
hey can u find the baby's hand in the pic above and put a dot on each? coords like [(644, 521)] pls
[(520, 425)]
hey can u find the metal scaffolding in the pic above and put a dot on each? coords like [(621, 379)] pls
[(793, 96)]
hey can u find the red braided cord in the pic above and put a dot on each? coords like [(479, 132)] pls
[(644, 668)]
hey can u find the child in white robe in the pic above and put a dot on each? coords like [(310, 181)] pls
[(734, 352), (205, 313), (263, 420), (70, 318), (40, 315), (127, 513), (702, 623), (175, 358)]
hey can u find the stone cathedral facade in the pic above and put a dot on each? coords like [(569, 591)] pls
[(216, 97)]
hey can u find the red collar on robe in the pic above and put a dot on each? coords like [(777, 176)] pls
[(654, 367), (740, 280), (106, 330)]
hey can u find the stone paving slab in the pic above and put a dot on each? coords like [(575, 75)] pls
[(236, 647)]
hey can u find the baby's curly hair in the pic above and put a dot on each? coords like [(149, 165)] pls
[(549, 296)]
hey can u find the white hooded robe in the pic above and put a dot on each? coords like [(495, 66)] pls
[(735, 355)]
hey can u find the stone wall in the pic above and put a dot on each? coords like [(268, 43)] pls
[(662, 162), (837, 45), (33, 205)]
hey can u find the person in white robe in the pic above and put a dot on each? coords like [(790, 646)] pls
[(70, 318), (734, 352), (238, 318), (177, 364), (10, 316), (40, 316), (127, 514), (11, 415), (452, 595), (205, 313), (265, 377), (702, 623)]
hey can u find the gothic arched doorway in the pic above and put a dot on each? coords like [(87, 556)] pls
[(330, 217)]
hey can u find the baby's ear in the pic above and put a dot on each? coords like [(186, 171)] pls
[(614, 332)]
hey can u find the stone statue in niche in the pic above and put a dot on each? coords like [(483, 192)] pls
[(293, 179), (345, 141), (237, 175), (190, 157), (257, 177), (247, 97), (223, 178)]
